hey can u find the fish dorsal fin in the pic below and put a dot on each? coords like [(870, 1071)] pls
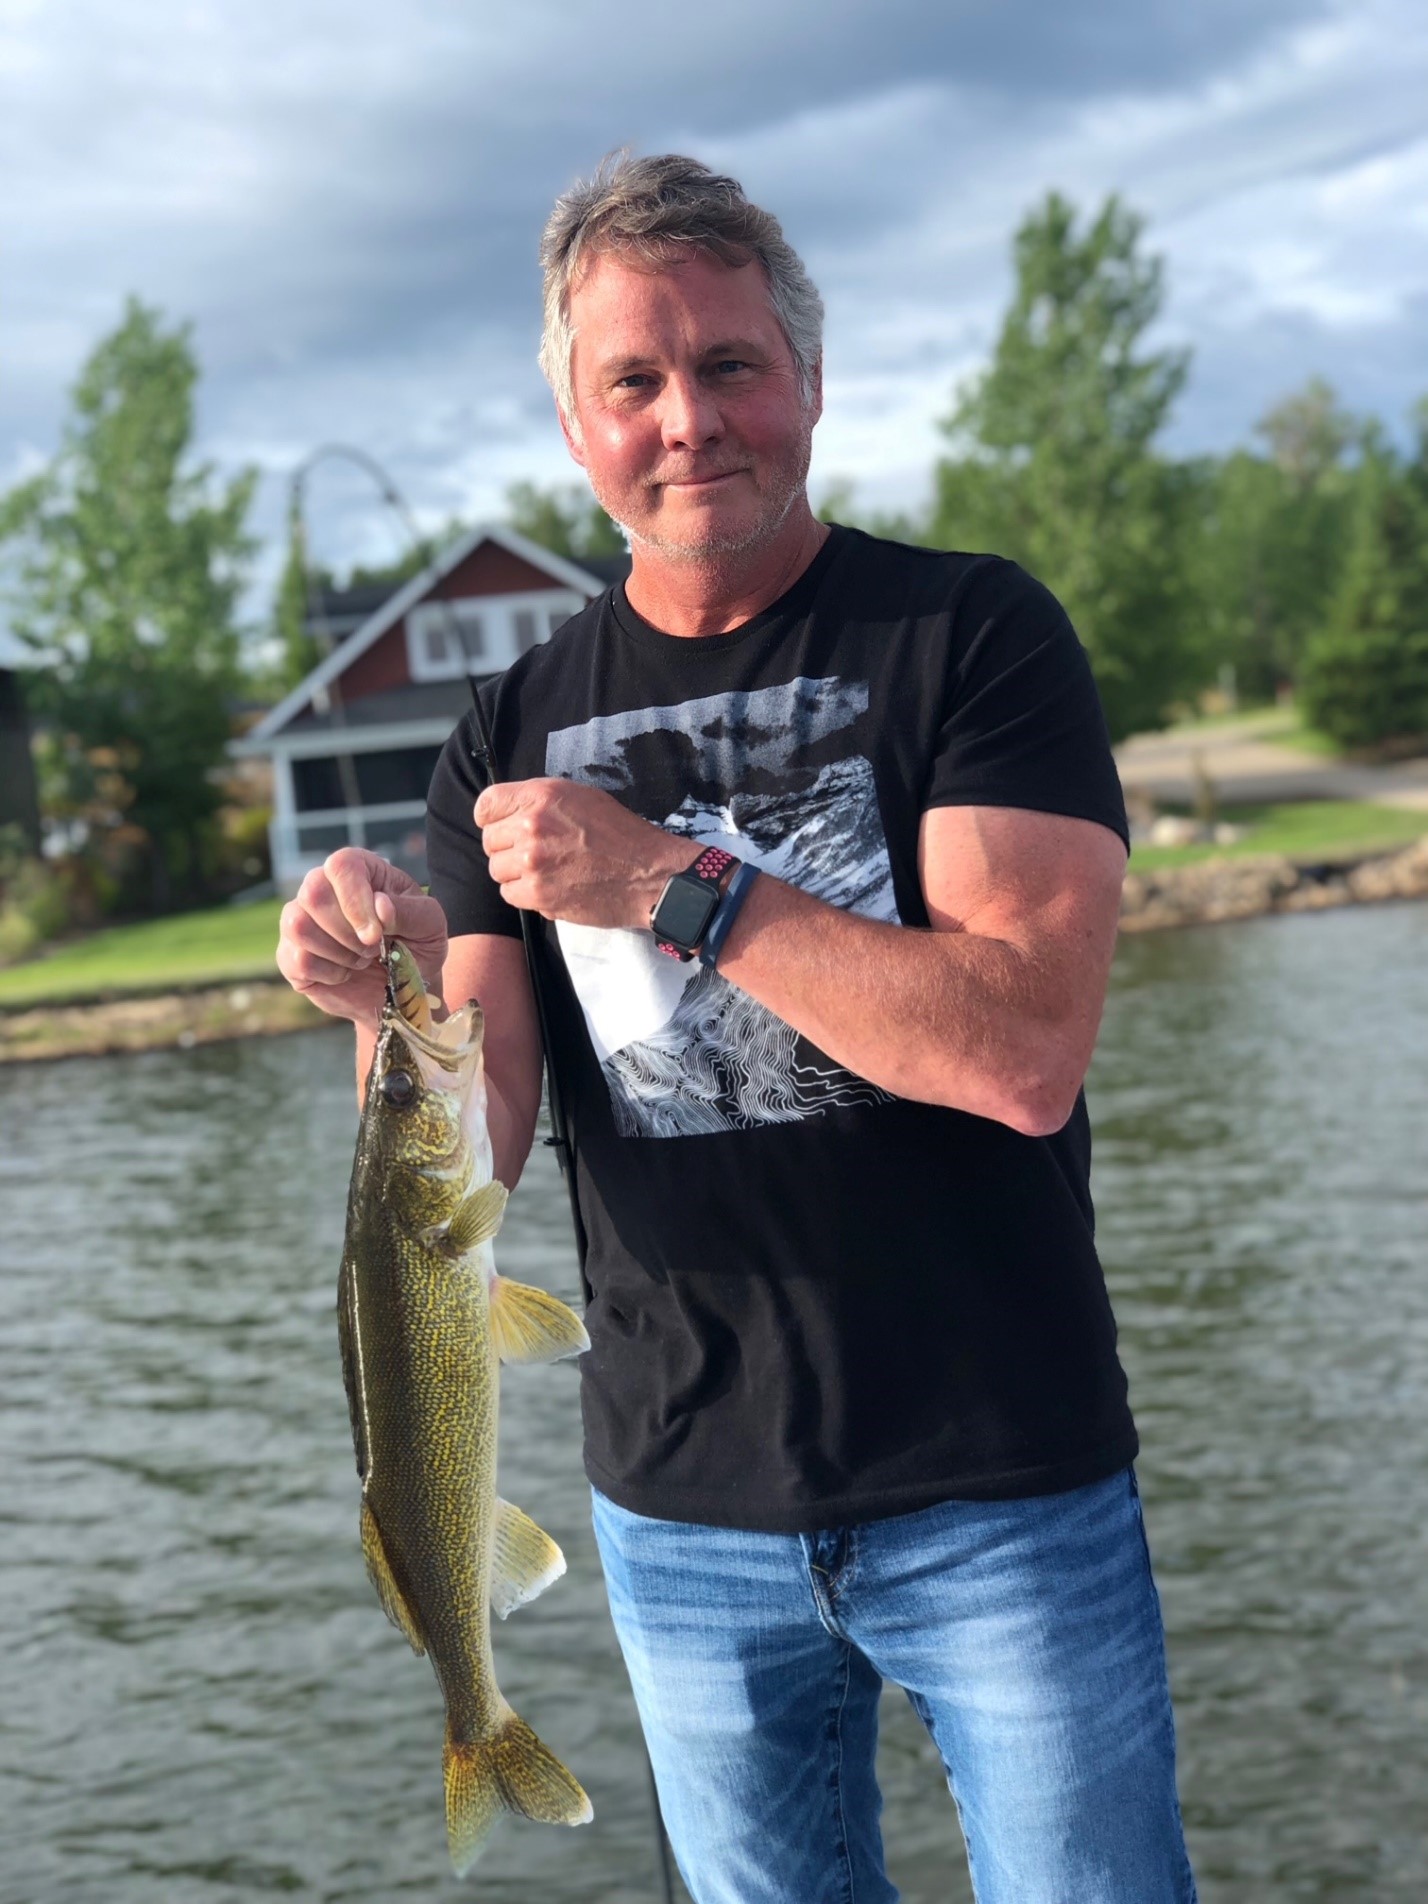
[(524, 1560), (478, 1218), (379, 1571), (527, 1325)]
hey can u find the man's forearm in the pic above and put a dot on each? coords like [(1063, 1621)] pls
[(953, 1018), (994, 1011)]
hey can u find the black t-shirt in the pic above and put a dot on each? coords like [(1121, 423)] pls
[(809, 1302)]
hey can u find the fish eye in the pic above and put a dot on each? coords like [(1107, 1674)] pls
[(398, 1088)]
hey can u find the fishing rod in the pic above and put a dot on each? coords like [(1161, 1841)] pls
[(483, 757)]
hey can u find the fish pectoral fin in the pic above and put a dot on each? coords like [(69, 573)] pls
[(524, 1560), (478, 1219), (379, 1571), (527, 1325)]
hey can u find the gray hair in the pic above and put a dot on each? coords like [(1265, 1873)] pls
[(656, 209)]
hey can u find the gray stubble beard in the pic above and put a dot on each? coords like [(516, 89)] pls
[(715, 550)]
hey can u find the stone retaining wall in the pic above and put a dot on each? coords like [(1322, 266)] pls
[(1220, 889), (184, 1019), (1176, 896)]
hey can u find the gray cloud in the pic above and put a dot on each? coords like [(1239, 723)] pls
[(348, 206)]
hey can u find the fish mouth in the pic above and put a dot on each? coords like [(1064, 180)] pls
[(450, 1046), (447, 1061)]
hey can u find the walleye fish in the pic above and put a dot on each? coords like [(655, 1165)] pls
[(424, 1321)]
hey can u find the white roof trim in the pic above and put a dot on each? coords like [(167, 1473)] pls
[(347, 740), (407, 596)]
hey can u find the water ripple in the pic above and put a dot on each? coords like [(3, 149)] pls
[(200, 1702)]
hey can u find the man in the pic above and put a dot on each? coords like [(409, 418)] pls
[(852, 1409)]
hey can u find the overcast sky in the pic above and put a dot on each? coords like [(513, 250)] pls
[(345, 198)]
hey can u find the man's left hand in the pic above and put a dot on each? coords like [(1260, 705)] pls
[(569, 851)]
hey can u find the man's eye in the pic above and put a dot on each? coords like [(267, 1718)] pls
[(632, 381), (731, 363)]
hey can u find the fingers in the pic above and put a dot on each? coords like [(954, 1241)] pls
[(309, 955), (414, 917), (514, 796), (361, 998), (330, 936), (503, 835), (348, 878)]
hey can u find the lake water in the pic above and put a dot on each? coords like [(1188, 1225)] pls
[(200, 1702)]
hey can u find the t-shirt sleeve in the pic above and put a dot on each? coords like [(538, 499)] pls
[(456, 863), (1022, 723)]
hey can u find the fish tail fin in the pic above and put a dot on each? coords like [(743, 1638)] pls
[(511, 1771)]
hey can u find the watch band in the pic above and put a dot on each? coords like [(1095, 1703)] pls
[(710, 867), (727, 911)]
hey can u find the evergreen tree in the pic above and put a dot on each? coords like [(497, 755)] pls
[(1274, 541), (1054, 461), (565, 519), (129, 567), (1365, 677), (299, 648)]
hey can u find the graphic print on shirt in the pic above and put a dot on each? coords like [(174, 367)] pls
[(682, 1050)]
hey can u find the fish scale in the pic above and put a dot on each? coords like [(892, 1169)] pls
[(425, 1321)]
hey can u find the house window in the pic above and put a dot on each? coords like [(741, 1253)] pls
[(447, 640), (317, 785), (526, 633), (384, 776), (481, 636), (396, 773)]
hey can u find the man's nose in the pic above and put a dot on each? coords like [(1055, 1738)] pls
[(689, 416)]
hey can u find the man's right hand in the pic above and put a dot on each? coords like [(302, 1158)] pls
[(330, 936)]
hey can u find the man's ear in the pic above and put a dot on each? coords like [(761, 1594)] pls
[(815, 397), (574, 440)]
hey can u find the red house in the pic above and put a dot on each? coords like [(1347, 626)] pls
[(354, 744)]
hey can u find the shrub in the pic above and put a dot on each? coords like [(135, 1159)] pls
[(34, 901), (1367, 686)]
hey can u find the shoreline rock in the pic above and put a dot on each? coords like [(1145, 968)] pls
[(1216, 891), (211, 1015)]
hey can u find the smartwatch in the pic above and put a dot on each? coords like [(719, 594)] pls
[(681, 915)]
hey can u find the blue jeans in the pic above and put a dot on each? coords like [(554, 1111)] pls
[(1027, 1635)]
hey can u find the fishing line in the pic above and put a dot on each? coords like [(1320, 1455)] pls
[(483, 756)]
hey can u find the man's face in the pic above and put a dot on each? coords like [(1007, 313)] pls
[(689, 420)]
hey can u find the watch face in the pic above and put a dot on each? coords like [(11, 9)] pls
[(684, 910)]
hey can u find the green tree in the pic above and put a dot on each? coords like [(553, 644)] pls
[(298, 647), (1365, 676), (1275, 536), (1054, 461), (128, 568), (401, 568), (565, 519)]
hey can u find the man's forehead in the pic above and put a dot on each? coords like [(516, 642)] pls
[(722, 303), (693, 278)]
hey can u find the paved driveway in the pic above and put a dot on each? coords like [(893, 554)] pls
[(1248, 768)]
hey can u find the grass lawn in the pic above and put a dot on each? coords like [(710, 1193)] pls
[(1301, 829), (195, 948), (1282, 726), (1304, 740)]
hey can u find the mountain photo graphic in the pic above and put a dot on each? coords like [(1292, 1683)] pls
[(683, 1051)]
